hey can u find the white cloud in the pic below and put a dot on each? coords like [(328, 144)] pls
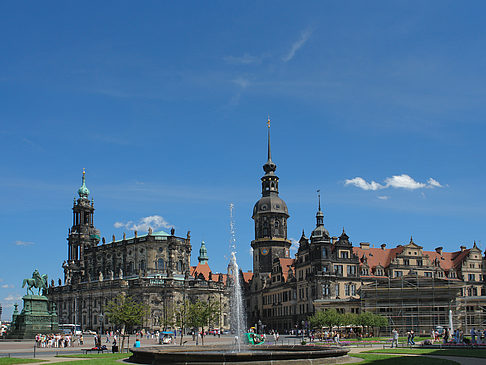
[(383, 197), (246, 59), (241, 82), (434, 183), (403, 181), (295, 245), (304, 37), (397, 181), (361, 183), (12, 298), (6, 286), (23, 243), (143, 224)]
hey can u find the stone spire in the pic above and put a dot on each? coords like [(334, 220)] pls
[(203, 254), (269, 166), (319, 214)]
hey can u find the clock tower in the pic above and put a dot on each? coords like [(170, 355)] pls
[(270, 215)]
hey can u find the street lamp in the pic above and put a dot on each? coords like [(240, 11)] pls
[(303, 323), (100, 316)]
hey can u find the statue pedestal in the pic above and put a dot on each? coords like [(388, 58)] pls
[(38, 316)]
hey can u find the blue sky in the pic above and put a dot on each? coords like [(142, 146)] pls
[(165, 105)]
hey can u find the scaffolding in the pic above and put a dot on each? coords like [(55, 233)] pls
[(422, 304)]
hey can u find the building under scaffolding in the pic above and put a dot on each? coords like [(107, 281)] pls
[(423, 303)]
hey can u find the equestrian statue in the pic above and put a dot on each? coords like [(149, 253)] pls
[(37, 281)]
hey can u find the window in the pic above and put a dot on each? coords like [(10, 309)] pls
[(471, 266), (353, 289), (471, 277), (398, 274), (179, 266), (338, 269), (406, 262), (428, 274), (345, 254), (324, 268), (324, 253), (419, 262), (276, 224), (346, 289), (337, 290), (326, 290), (351, 270), (379, 272), (160, 264), (364, 271)]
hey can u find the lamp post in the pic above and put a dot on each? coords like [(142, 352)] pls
[(303, 323), (100, 316)]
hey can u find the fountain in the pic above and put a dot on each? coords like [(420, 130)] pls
[(239, 353), (237, 314)]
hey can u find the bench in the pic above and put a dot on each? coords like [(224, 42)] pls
[(85, 351)]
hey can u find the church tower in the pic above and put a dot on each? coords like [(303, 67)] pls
[(270, 215), (82, 234)]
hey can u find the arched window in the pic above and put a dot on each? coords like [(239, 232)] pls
[(160, 264), (179, 266)]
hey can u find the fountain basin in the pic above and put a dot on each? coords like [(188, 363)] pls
[(250, 355)]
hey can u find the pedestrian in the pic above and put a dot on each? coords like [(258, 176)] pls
[(412, 336), (473, 336), (394, 338)]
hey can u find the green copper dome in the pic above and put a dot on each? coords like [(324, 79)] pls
[(203, 254), (83, 191)]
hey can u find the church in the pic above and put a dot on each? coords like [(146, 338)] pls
[(412, 287), (154, 268)]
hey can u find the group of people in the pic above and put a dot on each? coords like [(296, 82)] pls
[(478, 337), (57, 340)]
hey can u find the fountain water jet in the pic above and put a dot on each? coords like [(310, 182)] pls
[(237, 314)]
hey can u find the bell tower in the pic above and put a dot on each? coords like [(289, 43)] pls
[(81, 235), (270, 214)]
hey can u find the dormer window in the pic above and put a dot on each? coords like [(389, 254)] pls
[(345, 254)]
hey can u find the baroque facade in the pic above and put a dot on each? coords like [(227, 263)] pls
[(153, 268), (412, 287)]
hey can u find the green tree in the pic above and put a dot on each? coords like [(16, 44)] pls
[(201, 314), (125, 313), (368, 319), (327, 318)]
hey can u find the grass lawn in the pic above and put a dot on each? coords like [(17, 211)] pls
[(400, 360), (14, 360), (98, 356), (97, 359), (444, 352)]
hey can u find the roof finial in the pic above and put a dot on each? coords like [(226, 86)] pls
[(319, 197), (269, 152), (343, 230), (411, 239)]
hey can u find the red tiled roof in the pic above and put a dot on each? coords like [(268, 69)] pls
[(247, 276), (205, 270), (286, 264), (378, 256)]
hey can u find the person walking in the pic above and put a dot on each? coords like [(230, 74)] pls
[(394, 338)]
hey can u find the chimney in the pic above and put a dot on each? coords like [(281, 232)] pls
[(439, 250), (463, 248), (383, 245), (364, 245)]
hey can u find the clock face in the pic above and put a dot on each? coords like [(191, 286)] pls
[(264, 251)]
